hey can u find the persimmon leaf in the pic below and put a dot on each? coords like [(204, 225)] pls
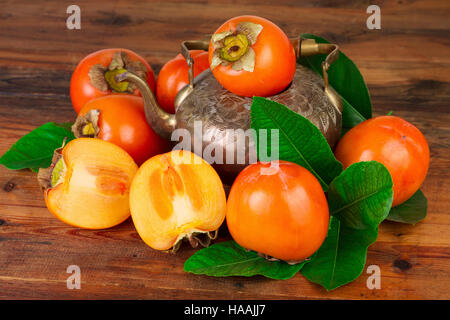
[(300, 141), (411, 211), (361, 196), (342, 256), (35, 149), (227, 258)]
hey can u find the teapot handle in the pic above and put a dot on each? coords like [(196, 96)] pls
[(185, 47), (193, 45), (302, 47), (309, 47)]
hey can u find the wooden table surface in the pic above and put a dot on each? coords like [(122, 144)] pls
[(405, 64)]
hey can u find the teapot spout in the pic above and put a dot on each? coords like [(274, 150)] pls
[(162, 122)]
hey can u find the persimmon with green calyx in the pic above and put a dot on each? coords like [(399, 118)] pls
[(394, 142), (174, 75), (120, 119), (176, 196), (95, 75), (251, 56), (88, 183), (279, 210)]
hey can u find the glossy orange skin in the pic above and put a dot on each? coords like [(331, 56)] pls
[(174, 75), (275, 62), (122, 121), (81, 90), (284, 215), (394, 142)]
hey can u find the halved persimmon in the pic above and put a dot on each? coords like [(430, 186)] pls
[(174, 196), (88, 184)]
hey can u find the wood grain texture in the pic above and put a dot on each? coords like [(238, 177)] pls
[(405, 64)]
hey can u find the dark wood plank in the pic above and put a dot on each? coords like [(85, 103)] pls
[(406, 66)]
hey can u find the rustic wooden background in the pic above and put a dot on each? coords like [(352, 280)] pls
[(406, 66)]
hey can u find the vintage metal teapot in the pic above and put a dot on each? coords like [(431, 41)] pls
[(207, 111)]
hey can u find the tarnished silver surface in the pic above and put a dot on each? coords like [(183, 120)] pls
[(215, 122), (219, 110)]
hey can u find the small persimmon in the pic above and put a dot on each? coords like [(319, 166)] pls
[(174, 196), (174, 75), (394, 142), (88, 184), (278, 209)]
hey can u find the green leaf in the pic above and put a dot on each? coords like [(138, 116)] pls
[(300, 141), (361, 196), (345, 78), (359, 200), (35, 149), (226, 259), (350, 117), (342, 256), (411, 211)]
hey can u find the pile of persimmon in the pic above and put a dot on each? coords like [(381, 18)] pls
[(118, 166), (114, 111)]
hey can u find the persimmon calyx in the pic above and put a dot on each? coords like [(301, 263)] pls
[(104, 78), (235, 47), (86, 126), (50, 177), (195, 238)]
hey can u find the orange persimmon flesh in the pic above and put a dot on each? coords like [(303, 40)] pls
[(175, 195), (93, 191)]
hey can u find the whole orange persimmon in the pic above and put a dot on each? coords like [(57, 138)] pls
[(94, 76), (251, 56), (174, 75), (394, 142), (278, 209), (120, 119)]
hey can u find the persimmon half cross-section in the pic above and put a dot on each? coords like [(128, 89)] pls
[(88, 184), (174, 196)]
